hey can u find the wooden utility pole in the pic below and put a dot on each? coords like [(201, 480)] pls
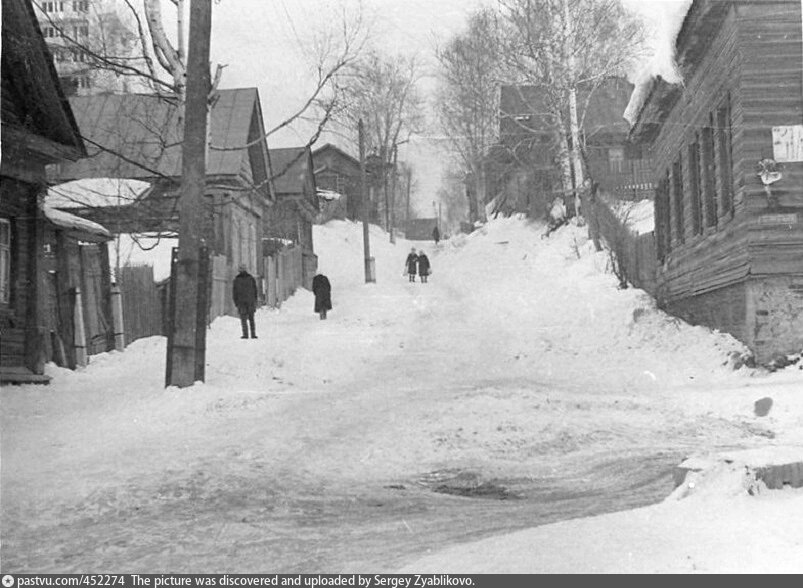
[(186, 355), (409, 173), (369, 261), (392, 213)]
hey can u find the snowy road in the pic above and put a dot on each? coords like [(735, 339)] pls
[(504, 394)]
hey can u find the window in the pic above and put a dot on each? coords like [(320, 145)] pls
[(5, 260), (663, 237), (616, 159), (724, 142), (677, 195), (708, 165), (694, 180)]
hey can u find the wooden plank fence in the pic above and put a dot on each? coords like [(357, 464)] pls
[(635, 254), (283, 273), (142, 307), (145, 302)]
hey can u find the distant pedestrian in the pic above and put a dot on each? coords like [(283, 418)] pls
[(424, 268), (323, 295), (436, 235), (410, 264), (244, 293)]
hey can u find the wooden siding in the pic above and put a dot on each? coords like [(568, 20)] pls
[(772, 95), (749, 76)]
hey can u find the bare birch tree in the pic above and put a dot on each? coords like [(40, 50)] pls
[(568, 48)]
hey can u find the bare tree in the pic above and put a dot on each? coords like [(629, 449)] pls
[(154, 60), (567, 48), (467, 101), (381, 90)]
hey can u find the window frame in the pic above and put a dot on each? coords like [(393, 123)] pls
[(5, 266)]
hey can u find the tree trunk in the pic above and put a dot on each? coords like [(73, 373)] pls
[(479, 180)]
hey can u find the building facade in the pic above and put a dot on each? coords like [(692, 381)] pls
[(81, 34), (38, 128), (727, 146)]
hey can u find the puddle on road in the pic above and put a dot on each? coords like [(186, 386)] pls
[(464, 483)]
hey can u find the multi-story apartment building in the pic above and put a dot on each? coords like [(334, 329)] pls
[(86, 37)]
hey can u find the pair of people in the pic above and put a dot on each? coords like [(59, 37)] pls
[(245, 295), (417, 263)]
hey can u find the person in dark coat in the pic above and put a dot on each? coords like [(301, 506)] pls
[(423, 266), (410, 264), (244, 293), (323, 294), (436, 235)]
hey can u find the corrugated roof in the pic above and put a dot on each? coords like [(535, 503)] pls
[(138, 136)]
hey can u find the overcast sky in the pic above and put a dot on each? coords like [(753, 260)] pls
[(265, 43)]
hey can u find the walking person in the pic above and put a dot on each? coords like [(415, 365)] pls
[(323, 294), (410, 264), (436, 235), (424, 269), (244, 293)]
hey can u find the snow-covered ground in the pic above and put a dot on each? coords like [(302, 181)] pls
[(519, 364)]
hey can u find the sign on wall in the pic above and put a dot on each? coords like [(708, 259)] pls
[(787, 143)]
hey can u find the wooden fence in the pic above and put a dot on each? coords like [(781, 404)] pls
[(635, 254), (142, 304), (145, 302), (284, 272)]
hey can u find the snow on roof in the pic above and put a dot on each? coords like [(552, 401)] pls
[(95, 192), (662, 63), (70, 221)]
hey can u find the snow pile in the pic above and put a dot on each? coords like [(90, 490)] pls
[(639, 216), (711, 524)]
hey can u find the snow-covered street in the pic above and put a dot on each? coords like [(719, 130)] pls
[(517, 388)]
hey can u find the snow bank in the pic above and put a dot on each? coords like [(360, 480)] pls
[(709, 525)]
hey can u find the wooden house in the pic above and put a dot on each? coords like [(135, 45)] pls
[(727, 147), (297, 206), (337, 171), (38, 128), (138, 137), (522, 169)]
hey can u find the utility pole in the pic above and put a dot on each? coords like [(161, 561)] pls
[(392, 220), (186, 355), (369, 261), (409, 173)]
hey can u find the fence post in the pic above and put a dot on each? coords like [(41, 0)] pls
[(79, 330), (117, 317)]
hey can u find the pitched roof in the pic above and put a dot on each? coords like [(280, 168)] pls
[(138, 136), (32, 98), (526, 109), (289, 167), (335, 148)]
